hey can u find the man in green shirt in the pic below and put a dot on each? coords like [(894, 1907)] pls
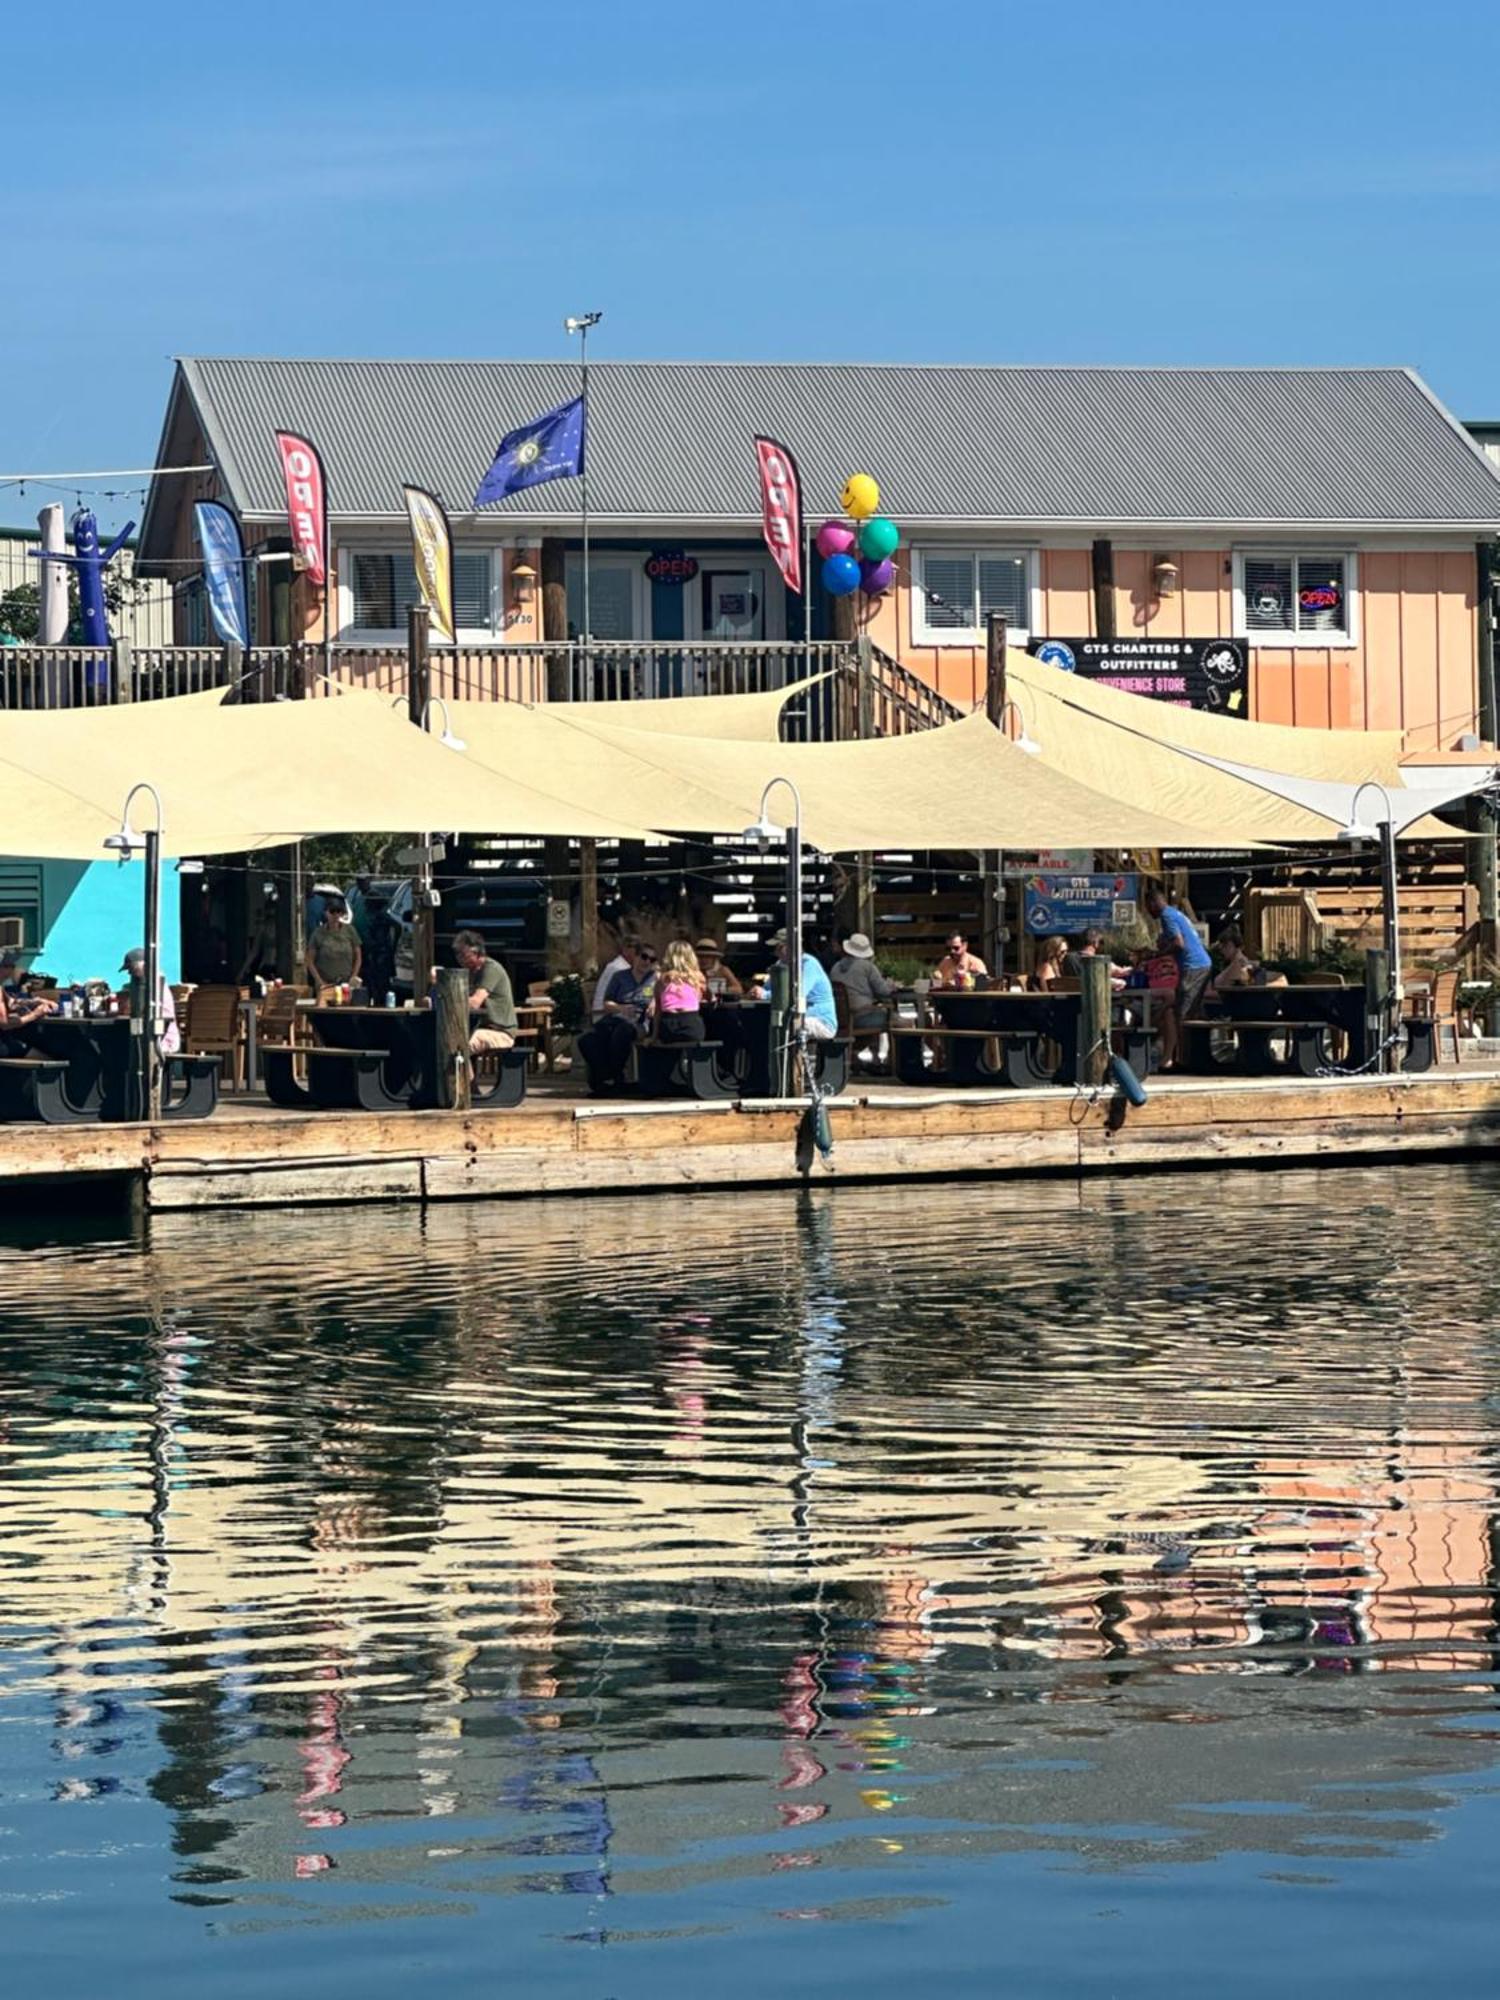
[(492, 1006)]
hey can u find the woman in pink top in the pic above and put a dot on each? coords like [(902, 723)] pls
[(677, 1003)]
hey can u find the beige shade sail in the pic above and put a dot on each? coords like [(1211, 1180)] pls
[(244, 775), (963, 786), (749, 718), (1132, 746)]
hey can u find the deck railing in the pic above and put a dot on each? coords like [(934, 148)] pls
[(854, 688)]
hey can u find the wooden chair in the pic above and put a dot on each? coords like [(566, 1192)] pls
[(857, 1038), (535, 1013), (1442, 1009), (214, 1027)]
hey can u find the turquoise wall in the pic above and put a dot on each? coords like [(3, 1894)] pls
[(94, 911)]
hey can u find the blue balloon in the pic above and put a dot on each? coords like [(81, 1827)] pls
[(840, 576)]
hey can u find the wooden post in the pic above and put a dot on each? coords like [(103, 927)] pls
[(236, 686), (1104, 588), (418, 663), (1093, 1021), (1377, 1003), (454, 1080), (994, 668), (121, 671), (1484, 865), (588, 903), (555, 620)]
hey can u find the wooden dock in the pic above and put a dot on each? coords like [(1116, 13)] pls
[(249, 1154)]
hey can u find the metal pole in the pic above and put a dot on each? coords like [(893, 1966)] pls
[(791, 1080), (1391, 886), (583, 352), (151, 1012), (328, 595)]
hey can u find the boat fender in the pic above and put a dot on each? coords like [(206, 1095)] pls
[(1126, 1080)]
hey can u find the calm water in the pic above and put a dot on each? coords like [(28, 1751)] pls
[(951, 1592)]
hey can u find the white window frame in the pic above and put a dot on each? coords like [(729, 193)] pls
[(350, 634), (1276, 642), (923, 634)]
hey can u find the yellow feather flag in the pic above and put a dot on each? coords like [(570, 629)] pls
[(432, 558)]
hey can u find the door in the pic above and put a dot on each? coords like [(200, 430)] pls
[(733, 603)]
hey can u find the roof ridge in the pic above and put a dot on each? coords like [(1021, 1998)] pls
[(913, 367)]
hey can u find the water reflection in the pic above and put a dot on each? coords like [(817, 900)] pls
[(672, 1558)]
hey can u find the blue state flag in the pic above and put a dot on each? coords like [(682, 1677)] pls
[(223, 571), (549, 448)]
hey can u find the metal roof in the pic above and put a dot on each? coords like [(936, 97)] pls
[(1090, 448)]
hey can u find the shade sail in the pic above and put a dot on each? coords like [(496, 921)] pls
[(1241, 781), (234, 777), (963, 786), (750, 718)]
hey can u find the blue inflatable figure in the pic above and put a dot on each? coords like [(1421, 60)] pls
[(90, 564)]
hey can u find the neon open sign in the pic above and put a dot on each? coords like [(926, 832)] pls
[(1319, 597)]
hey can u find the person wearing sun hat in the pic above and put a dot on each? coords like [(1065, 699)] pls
[(720, 979), (867, 988)]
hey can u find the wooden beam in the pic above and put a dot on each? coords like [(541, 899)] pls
[(1103, 556)]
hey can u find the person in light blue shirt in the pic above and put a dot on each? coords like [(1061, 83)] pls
[(1194, 970), (819, 1014)]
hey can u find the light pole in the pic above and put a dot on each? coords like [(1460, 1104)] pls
[(146, 1012), (1027, 742), (1385, 832), (426, 851), (763, 833), (580, 323)]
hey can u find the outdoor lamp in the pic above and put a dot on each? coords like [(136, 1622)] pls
[(127, 841), (1164, 574), (1356, 830), (448, 740), (522, 583)]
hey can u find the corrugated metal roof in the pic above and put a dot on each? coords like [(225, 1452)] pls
[(670, 441)]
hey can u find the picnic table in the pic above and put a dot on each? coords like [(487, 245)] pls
[(995, 1036), (86, 1067), (374, 1059), (745, 1031), (1306, 1020)]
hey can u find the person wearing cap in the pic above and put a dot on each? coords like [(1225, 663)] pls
[(820, 1015), (134, 965), (721, 980), (866, 986), (18, 1010)]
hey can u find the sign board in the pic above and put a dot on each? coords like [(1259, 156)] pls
[(1048, 861), (1067, 903), (671, 566), (559, 917), (1212, 674)]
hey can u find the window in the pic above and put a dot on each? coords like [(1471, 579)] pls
[(613, 589), (957, 589), (1293, 598), (385, 585)]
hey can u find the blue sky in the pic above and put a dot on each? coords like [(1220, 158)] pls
[(944, 181)]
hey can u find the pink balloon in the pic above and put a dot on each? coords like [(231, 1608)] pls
[(835, 538)]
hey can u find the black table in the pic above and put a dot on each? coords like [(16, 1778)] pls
[(750, 1051), (1021, 1023), (1307, 1017), (103, 1077)]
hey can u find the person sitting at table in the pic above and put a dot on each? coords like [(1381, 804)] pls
[(960, 964), (133, 964), (1048, 968), (1091, 947), (722, 983), (675, 1013), (492, 1005), (380, 937), (820, 1016), (333, 956), (19, 1010), (621, 962), (606, 1046), (868, 990)]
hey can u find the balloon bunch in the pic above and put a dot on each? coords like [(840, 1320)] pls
[(873, 569)]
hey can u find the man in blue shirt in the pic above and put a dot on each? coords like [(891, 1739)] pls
[(819, 1014), (1193, 968)]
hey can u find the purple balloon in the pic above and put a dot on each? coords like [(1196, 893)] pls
[(835, 538), (874, 577)]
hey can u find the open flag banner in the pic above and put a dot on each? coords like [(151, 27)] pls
[(432, 558), (550, 448), (306, 502), (223, 571), (781, 508)]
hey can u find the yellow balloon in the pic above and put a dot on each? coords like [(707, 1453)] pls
[(861, 496)]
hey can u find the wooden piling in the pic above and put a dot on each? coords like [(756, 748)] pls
[(996, 637), (1093, 1020), (454, 1080)]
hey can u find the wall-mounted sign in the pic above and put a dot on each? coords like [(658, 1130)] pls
[(1191, 673), (1320, 597), (671, 566), (1067, 903)]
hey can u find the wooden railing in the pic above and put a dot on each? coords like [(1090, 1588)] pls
[(854, 688)]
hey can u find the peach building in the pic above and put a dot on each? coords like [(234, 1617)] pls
[(1338, 523)]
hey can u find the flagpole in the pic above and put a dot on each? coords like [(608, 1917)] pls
[(580, 325)]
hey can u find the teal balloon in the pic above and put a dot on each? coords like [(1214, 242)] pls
[(878, 538), (840, 576)]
